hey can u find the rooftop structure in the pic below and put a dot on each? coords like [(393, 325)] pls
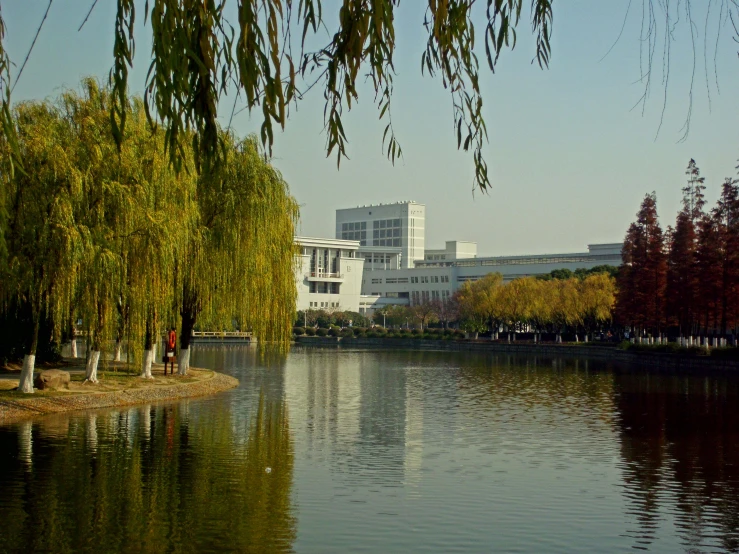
[(385, 228)]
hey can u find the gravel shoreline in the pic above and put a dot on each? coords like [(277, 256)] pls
[(12, 410)]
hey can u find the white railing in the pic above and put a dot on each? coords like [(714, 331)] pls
[(222, 334)]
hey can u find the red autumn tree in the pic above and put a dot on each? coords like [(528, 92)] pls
[(726, 214), (709, 262), (682, 278), (642, 278)]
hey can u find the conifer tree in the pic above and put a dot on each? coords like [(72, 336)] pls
[(642, 279), (682, 279)]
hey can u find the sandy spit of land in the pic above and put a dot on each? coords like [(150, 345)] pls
[(116, 387)]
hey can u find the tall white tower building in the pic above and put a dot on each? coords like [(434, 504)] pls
[(391, 229)]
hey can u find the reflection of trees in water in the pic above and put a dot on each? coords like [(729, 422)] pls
[(680, 445), (150, 479)]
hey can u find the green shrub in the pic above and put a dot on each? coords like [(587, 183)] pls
[(298, 331), (372, 334), (310, 331), (346, 333), (334, 331), (415, 331), (321, 332)]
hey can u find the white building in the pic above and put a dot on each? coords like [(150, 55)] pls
[(436, 278), (328, 275), (392, 233)]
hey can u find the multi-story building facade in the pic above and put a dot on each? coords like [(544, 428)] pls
[(438, 279), (328, 274), (395, 231)]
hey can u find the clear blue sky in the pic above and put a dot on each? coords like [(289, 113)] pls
[(569, 159)]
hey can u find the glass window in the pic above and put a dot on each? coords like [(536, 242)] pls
[(364, 235), (376, 233), (396, 242), (382, 233), (396, 232), (383, 224), (364, 225), (344, 227), (362, 242), (396, 223), (375, 224)]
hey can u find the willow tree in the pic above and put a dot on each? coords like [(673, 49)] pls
[(157, 234), (597, 294), (45, 243), (238, 265), (479, 303)]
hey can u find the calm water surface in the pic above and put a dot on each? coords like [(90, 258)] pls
[(372, 451)]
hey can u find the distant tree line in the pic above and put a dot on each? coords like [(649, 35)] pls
[(684, 281), (578, 303), (540, 305)]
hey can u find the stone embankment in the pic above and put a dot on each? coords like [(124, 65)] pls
[(661, 360), (200, 383)]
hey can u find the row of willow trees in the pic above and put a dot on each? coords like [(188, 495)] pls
[(115, 235), (685, 280), (539, 305)]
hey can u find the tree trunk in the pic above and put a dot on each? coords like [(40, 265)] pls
[(146, 364), (25, 384), (149, 349), (26, 380), (183, 361), (73, 346), (117, 352), (188, 317), (91, 371)]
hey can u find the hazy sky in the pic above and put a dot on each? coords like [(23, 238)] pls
[(569, 159)]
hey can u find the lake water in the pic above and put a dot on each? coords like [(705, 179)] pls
[(388, 451)]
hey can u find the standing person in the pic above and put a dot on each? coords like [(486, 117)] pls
[(169, 350)]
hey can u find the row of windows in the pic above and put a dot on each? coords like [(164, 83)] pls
[(430, 279), (378, 259), (393, 280), (385, 233), (324, 304), (358, 226), (385, 223), (319, 287), (564, 259), (436, 257), (419, 296), (354, 235), (387, 242)]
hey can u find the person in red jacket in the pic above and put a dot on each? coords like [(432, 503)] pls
[(169, 350)]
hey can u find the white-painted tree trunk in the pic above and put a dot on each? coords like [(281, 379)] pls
[(73, 346), (91, 371), (117, 352), (183, 361), (146, 366), (26, 380)]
